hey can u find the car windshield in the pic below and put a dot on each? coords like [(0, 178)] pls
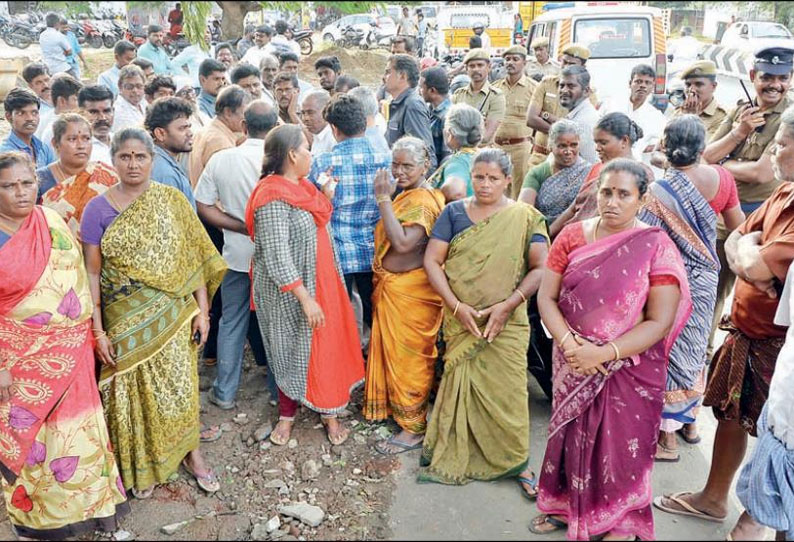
[(385, 20), (770, 30), (614, 38), (467, 20), (428, 11)]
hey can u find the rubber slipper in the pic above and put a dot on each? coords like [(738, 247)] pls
[(688, 509), (660, 457), (532, 482), (275, 440), (336, 440), (215, 434), (209, 482), (688, 439), (547, 520), (402, 446)]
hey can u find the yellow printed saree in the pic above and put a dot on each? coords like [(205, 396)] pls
[(479, 429), (155, 254), (60, 476), (406, 317)]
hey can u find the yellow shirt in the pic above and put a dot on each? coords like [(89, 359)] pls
[(517, 98)]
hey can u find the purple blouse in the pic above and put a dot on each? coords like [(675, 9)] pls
[(98, 215)]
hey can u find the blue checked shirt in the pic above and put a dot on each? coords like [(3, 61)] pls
[(354, 163)]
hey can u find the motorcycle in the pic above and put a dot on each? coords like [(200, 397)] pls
[(304, 39), (18, 34), (375, 39), (174, 46), (93, 36), (135, 36), (351, 37)]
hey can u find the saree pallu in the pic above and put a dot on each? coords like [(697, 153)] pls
[(406, 317), (155, 254), (603, 429), (587, 197), (480, 424), (675, 205), (70, 196), (58, 467), (558, 191)]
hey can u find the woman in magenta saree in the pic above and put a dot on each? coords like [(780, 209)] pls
[(615, 297)]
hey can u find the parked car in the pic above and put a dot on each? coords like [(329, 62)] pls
[(363, 22), (753, 35)]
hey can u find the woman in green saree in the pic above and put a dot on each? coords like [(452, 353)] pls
[(479, 428), (152, 271)]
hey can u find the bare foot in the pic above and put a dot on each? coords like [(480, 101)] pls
[(402, 442), (747, 528), (610, 536), (281, 433)]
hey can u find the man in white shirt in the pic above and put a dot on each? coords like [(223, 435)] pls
[(320, 136), (124, 53), (55, 47), (639, 109), (684, 50), (96, 104), (281, 43), (64, 92), (268, 68), (222, 195), (574, 91), (130, 108), (255, 53)]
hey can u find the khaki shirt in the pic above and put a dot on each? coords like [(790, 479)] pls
[(517, 98), (489, 100), (753, 148), (712, 117), (533, 67), (546, 97)]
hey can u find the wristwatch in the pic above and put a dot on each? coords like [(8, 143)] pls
[(545, 115)]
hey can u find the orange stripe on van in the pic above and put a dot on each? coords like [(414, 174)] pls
[(659, 41), (565, 34)]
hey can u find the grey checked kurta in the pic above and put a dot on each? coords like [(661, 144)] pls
[(285, 240)]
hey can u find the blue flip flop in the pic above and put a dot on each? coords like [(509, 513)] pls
[(532, 482)]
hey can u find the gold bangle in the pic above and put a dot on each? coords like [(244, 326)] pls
[(382, 199), (457, 306), (565, 337), (616, 349), (521, 294)]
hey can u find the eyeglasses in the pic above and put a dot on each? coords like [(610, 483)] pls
[(132, 87)]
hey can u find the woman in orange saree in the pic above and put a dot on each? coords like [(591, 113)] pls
[(407, 311), (60, 476)]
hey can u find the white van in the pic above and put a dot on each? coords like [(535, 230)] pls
[(619, 37)]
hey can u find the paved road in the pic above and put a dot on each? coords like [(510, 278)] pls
[(497, 511)]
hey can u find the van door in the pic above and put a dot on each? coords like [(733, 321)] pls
[(552, 35)]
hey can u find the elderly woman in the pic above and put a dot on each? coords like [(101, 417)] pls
[(480, 424), (304, 313), (60, 475), (153, 271), (614, 297), (70, 183), (552, 186), (686, 204), (402, 348), (463, 131)]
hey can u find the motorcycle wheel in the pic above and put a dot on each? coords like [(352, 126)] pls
[(306, 46), (340, 42), (95, 41), (20, 41), (109, 42), (329, 38)]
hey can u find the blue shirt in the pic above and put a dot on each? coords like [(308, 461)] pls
[(354, 163), (110, 78), (42, 154), (206, 104), (76, 49), (166, 170), (377, 140), (158, 57)]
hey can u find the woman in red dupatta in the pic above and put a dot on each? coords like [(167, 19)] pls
[(307, 323), (615, 297), (60, 476)]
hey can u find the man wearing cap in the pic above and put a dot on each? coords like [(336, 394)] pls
[(480, 94), (479, 30), (742, 144), (513, 135), (545, 109), (700, 82), (541, 65)]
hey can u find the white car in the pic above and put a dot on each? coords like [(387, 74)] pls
[(753, 35), (333, 31)]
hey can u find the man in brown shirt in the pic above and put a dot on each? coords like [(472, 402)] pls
[(742, 143), (700, 81), (760, 252), (481, 95), (541, 65), (513, 135)]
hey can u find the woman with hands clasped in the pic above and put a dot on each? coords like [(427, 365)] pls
[(485, 259), (406, 310), (614, 297), (307, 323)]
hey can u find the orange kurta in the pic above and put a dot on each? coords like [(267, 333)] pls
[(406, 317)]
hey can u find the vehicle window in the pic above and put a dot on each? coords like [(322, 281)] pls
[(535, 32), (467, 20), (552, 35), (344, 21), (770, 30), (429, 11), (744, 30), (614, 38)]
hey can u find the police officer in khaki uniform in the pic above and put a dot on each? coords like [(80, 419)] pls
[(545, 109), (480, 94), (700, 81), (743, 142), (541, 65), (513, 135)]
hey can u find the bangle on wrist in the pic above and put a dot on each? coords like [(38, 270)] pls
[(382, 199), (565, 337), (521, 294), (457, 306), (616, 349)]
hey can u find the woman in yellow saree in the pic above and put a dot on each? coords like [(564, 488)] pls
[(153, 272), (60, 477), (479, 428), (406, 312)]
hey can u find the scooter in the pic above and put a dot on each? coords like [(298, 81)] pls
[(304, 39), (375, 39), (93, 37)]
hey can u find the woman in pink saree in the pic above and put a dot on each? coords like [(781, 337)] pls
[(614, 297)]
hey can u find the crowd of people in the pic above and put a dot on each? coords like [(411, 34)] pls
[(403, 238)]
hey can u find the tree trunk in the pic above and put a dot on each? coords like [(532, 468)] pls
[(233, 22)]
